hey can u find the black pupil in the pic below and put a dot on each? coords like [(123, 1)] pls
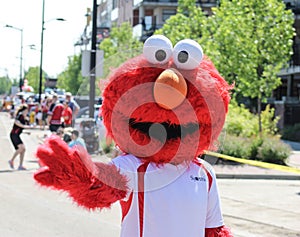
[(160, 55), (183, 56)]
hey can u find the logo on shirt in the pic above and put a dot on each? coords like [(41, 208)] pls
[(196, 179)]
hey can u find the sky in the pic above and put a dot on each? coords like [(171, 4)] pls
[(59, 36)]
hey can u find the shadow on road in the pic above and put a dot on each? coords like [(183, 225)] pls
[(6, 171)]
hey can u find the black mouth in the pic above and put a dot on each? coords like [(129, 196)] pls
[(164, 131)]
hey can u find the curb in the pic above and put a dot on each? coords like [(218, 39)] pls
[(258, 176)]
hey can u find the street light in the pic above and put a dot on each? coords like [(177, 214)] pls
[(42, 48), (93, 61), (21, 56)]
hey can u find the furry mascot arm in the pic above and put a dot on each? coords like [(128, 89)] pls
[(91, 185)]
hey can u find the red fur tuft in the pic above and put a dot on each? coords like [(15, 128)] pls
[(90, 185), (221, 231)]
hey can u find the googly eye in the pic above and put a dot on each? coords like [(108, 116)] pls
[(158, 49), (187, 54)]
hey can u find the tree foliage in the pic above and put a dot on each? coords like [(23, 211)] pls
[(33, 77), (121, 39), (250, 41), (5, 85), (71, 79), (187, 23), (241, 122), (120, 46)]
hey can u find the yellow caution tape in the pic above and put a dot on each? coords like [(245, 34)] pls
[(256, 163)]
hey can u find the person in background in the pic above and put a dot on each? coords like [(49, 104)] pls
[(76, 140), (7, 103), (45, 107), (39, 115), (54, 101), (55, 114), (67, 137), (60, 132), (21, 122), (72, 104), (67, 115), (32, 115), (1, 104)]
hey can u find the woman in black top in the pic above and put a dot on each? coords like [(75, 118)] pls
[(17, 129)]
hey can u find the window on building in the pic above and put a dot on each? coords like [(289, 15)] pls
[(166, 13), (114, 4)]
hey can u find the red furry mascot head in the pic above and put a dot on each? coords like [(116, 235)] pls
[(167, 105)]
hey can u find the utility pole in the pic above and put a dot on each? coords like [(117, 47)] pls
[(42, 49), (21, 55), (21, 64), (41, 55), (93, 61)]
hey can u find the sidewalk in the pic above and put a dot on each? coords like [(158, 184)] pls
[(252, 172)]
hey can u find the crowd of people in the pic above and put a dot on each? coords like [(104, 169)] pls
[(55, 114)]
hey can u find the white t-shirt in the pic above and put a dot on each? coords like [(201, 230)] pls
[(168, 200)]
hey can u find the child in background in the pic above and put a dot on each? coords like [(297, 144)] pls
[(76, 140), (67, 115), (39, 115)]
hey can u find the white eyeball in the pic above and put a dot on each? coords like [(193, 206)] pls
[(187, 54), (158, 49)]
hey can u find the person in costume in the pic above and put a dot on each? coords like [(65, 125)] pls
[(163, 109)]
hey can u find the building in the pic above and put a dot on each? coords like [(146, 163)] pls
[(145, 16), (286, 98)]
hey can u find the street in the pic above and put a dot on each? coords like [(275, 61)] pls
[(264, 208), (251, 207)]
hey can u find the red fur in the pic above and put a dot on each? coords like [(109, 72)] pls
[(90, 185), (221, 231)]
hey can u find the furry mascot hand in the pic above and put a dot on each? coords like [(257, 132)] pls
[(163, 109), (91, 185)]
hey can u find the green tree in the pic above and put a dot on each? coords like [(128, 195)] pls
[(71, 79), (187, 23), (121, 39), (120, 46), (33, 77), (5, 85), (250, 41)]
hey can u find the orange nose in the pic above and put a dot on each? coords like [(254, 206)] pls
[(170, 89)]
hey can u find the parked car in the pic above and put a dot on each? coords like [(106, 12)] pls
[(85, 112), (60, 93)]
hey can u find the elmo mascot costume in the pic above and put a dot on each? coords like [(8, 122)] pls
[(163, 109)]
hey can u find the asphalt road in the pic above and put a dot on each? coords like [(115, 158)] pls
[(251, 208)]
